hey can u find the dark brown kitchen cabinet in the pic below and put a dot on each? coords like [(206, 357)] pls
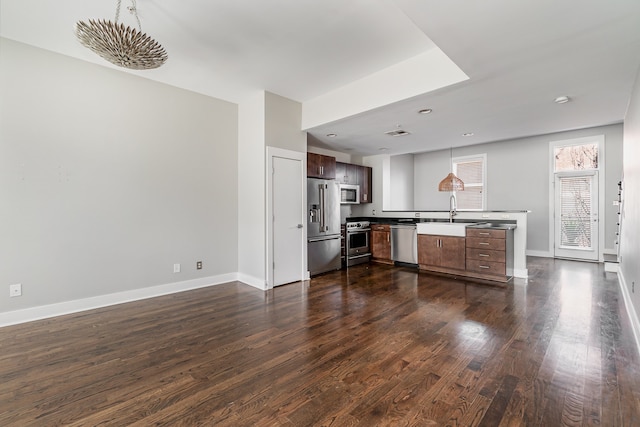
[(381, 243), (347, 173), (441, 252), (321, 166), (490, 253), (364, 181)]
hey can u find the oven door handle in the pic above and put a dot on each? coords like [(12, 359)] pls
[(359, 230)]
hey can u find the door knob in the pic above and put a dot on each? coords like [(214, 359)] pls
[(299, 225)]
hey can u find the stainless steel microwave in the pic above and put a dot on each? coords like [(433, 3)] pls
[(349, 194)]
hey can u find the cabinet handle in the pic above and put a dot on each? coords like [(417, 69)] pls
[(483, 243), (483, 266), (388, 238), (483, 234), (485, 255)]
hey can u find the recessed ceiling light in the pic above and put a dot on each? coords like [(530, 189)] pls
[(332, 135), (425, 111), (467, 134), (561, 100)]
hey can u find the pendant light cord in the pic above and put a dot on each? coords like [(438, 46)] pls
[(133, 9), (451, 159)]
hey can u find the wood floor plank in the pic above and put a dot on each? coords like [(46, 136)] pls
[(377, 345)]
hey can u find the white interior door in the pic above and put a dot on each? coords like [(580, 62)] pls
[(576, 215), (288, 237)]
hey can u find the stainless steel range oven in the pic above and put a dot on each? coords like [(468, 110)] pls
[(358, 249)]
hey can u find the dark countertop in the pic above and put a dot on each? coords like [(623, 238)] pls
[(383, 220), (482, 223), (505, 211)]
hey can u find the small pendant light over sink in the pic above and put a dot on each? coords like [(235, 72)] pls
[(451, 182)]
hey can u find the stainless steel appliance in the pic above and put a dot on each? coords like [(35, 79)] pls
[(358, 248), (349, 194), (404, 243), (323, 225)]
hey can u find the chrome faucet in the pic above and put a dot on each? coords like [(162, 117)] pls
[(452, 207)]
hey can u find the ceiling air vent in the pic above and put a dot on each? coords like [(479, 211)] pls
[(398, 132)]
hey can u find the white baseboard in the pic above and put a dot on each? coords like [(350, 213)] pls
[(68, 307), (611, 267), (253, 281), (522, 273), (543, 254), (633, 316)]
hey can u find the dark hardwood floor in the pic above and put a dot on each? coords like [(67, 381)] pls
[(374, 346)]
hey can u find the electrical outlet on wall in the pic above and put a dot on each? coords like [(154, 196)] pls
[(15, 290), (199, 265), (176, 268)]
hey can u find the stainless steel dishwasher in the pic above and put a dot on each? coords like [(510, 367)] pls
[(404, 243)]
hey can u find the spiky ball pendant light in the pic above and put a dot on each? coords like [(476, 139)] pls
[(121, 45)]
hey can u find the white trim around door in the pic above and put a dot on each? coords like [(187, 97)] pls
[(597, 139), (274, 152)]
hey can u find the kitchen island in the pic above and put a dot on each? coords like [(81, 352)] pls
[(515, 222)]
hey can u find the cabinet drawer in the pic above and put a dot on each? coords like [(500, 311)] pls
[(485, 255), (486, 233), (486, 267), (486, 243), (380, 227)]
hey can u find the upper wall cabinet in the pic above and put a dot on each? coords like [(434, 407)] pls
[(319, 166), (347, 173), (364, 180)]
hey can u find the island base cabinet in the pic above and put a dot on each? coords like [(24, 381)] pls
[(490, 254), (441, 253)]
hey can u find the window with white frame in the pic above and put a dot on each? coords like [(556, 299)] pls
[(472, 171), (576, 157)]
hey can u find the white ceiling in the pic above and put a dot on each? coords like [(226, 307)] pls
[(518, 55)]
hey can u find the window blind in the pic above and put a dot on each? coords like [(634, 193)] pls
[(575, 212), (471, 172)]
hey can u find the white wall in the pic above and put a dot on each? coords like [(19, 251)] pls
[(265, 119), (630, 243), (401, 188), (108, 179), (251, 191), (282, 124)]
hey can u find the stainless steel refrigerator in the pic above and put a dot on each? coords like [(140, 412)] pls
[(323, 225)]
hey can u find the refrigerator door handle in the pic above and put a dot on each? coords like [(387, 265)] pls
[(322, 208)]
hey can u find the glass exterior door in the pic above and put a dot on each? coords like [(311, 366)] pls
[(576, 215)]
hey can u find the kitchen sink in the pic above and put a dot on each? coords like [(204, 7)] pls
[(444, 228), (495, 226)]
